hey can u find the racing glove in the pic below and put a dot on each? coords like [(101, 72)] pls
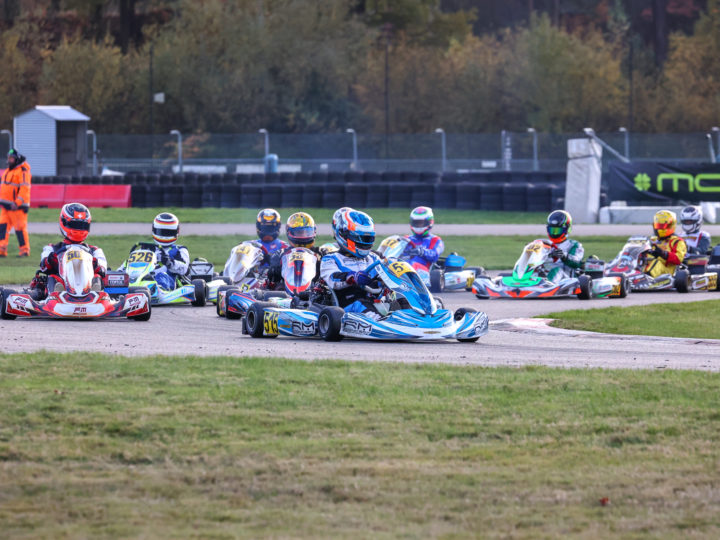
[(164, 259), (361, 279), (657, 251), (99, 270), (558, 253), (51, 262)]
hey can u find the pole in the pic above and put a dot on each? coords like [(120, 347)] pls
[(626, 134), (443, 148), (716, 131), (387, 29), (180, 156), (10, 136), (94, 151), (267, 140), (152, 107), (354, 144), (536, 162), (713, 157)]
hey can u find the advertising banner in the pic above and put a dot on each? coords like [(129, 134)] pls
[(664, 182)]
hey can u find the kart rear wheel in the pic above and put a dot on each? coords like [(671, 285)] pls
[(146, 292), (682, 281), (624, 287), (3, 314), (329, 322), (585, 284), (200, 292), (459, 314), (254, 319), (437, 280)]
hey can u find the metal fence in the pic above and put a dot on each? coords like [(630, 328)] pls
[(439, 151)]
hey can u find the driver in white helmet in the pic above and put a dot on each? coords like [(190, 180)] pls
[(173, 258), (424, 247), (697, 240)]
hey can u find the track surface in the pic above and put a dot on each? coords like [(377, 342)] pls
[(198, 331)]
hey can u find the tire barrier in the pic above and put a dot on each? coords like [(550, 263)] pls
[(509, 191)]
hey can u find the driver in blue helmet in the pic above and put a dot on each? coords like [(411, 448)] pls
[(268, 225), (345, 270), (424, 247)]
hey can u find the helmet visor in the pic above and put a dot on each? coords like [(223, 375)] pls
[(689, 221), (424, 222), (554, 232), (268, 228), (302, 233), (364, 241), (76, 224), (662, 226), (164, 232)]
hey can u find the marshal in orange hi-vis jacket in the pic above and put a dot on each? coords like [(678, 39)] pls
[(15, 203)]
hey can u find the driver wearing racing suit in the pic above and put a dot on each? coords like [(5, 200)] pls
[(424, 247), (566, 256), (267, 225), (174, 259), (668, 250), (345, 270), (696, 240), (301, 232), (74, 224)]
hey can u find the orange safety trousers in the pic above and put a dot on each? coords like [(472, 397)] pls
[(14, 219)]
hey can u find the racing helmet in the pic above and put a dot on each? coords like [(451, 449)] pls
[(355, 234), (165, 229), (691, 219), (75, 222), (664, 223), (559, 224), (301, 230), (268, 224), (336, 217), (421, 220)]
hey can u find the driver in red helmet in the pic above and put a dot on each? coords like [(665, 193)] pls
[(74, 224)]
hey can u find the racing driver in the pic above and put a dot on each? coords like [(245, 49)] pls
[(668, 249), (566, 256)]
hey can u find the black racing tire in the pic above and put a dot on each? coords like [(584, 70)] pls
[(682, 281), (437, 280), (200, 292), (3, 314), (329, 322), (624, 287), (459, 313), (585, 284), (228, 314), (717, 281), (440, 302), (254, 319), (228, 280), (146, 292)]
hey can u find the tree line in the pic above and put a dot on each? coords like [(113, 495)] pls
[(407, 66)]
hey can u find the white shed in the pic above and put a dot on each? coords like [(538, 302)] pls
[(54, 140)]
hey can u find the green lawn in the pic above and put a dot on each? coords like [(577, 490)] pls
[(321, 215), (94, 446), (691, 319), (492, 252)]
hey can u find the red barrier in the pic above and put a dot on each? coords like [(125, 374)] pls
[(47, 195), (99, 195)]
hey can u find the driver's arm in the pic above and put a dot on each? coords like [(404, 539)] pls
[(332, 274), (575, 256), (179, 262)]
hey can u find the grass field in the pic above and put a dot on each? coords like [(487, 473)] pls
[(321, 215), (492, 252), (691, 319), (94, 446)]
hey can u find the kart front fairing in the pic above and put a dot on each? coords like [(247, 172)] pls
[(299, 269), (94, 305), (244, 259)]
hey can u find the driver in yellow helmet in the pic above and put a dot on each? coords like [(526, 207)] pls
[(301, 232), (668, 249)]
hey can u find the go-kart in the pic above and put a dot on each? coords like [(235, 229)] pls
[(529, 279), (242, 269), (406, 311), (76, 295), (633, 257), (141, 266), (298, 271), (204, 270), (446, 274)]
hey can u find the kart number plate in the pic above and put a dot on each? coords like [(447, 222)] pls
[(615, 290), (270, 323), (712, 282), (73, 255), (141, 256), (242, 249), (398, 268)]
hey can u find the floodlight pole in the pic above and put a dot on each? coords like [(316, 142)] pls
[(94, 150), (351, 131), (536, 163), (716, 130), (180, 156), (626, 134), (267, 140), (443, 148)]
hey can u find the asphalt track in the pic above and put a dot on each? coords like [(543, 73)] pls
[(513, 340)]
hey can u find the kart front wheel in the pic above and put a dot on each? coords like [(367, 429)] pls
[(585, 284), (329, 322), (682, 281), (3, 313), (200, 292), (459, 314), (254, 319), (227, 289), (437, 281)]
